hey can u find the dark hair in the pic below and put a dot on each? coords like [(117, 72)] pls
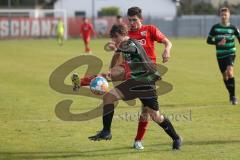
[(135, 11), (224, 9), (84, 18), (118, 28), (119, 16)]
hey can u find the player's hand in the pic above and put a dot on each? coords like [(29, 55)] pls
[(222, 42), (110, 46), (165, 55)]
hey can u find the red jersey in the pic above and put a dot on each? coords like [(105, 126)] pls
[(146, 36), (86, 29)]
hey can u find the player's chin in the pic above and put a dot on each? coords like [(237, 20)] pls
[(133, 28)]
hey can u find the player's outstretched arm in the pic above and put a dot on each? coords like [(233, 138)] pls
[(166, 53)]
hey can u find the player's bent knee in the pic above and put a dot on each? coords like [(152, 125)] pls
[(161, 118), (155, 116), (144, 117), (229, 72), (108, 98)]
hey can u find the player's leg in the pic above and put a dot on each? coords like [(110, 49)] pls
[(108, 112), (59, 38), (86, 40), (166, 125), (226, 67), (231, 80), (153, 110), (119, 92), (142, 127)]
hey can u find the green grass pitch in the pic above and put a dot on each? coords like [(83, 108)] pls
[(198, 106)]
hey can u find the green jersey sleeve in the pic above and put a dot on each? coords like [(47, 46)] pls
[(211, 36)]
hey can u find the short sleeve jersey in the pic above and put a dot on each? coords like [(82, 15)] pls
[(146, 36)]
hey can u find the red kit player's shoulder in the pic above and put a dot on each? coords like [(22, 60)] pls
[(148, 27)]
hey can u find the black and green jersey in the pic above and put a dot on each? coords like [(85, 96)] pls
[(137, 62), (220, 32)]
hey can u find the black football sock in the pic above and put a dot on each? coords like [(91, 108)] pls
[(108, 112), (231, 86), (227, 86), (169, 129)]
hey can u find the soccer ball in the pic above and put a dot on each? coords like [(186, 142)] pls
[(99, 85)]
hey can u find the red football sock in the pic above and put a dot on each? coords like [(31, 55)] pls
[(87, 50), (85, 81), (142, 127)]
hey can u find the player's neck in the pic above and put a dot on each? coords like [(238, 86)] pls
[(134, 30), (126, 38), (227, 23)]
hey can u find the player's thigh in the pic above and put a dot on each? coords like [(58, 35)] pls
[(132, 89), (120, 92), (151, 99), (230, 65), (225, 63), (150, 103), (86, 39), (125, 91), (60, 32), (117, 73), (229, 70), (222, 64), (112, 96)]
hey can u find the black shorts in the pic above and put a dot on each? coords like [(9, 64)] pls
[(145, 91), (225, 62)]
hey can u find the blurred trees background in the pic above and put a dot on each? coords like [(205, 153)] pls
[(189, 7)]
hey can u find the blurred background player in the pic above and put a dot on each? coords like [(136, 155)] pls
[(119, 20), (86, 29), (222, 36), (146, 35), (60, 31)]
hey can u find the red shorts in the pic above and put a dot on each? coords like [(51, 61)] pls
[(86, 39)]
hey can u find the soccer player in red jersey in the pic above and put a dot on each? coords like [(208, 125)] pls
[(146, 35), (86, 29)]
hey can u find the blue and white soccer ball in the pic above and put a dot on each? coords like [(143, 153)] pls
[(99, 85)]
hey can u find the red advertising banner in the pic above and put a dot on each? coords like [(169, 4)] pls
[(27, 27), (20, 27)]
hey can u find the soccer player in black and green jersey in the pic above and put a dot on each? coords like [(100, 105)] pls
[(139, 84), (222, 35)]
